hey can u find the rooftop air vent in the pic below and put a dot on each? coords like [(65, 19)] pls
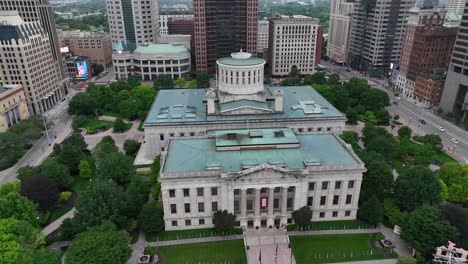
[(312, 162), (213, 165), (255, 134), (232, 136), (176, 116), (278, 134), (248, 163)]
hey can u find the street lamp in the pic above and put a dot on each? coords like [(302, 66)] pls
[(44, 121)]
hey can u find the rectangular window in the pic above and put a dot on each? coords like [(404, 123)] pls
[(311, 186), (349, 197), (200, 191), (323, 200), (201, 207), (187, 208), (201, 221), (322, 214), (236, 206), (351, 184), (310, 201), (338, 185), (161, 137), (188, 222), (347, 213), (171, 193), (249, 205), (186, 192), (336, 199), (214, 206), (214, 191), (173, 209), (174, 223), (335, 214), (324, 185), (289, 203), (276, 203)]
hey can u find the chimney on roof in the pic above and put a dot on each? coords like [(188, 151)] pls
[(278, 100), (210, 98)]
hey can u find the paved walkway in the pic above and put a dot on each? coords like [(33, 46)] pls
[(119, 138), (57, 223), (194, 240), (138, 248), (333, 232), (381, 261), (400, 246), (268, 246)]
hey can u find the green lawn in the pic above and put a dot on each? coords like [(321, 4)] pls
[(231, 251), (333, 225), (111, 114), (398, 165), (333, 248), (444, 157), (185, 234)]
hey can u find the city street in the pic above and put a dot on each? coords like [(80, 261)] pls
[(410, 114)]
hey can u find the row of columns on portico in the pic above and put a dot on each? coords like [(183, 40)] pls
[(256, 202)]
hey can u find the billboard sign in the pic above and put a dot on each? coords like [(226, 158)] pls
[(81, 70), (64, 50)]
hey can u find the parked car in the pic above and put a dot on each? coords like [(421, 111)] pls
[(395, 103), (422, 121), (441, 129), (454, 140)]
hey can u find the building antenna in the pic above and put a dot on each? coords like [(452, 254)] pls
[(451, 255)]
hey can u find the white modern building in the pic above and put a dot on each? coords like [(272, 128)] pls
[(262, 36), (292, 43), (133, 22), (26, 59), (338, 33), (165, 16), (151, 60)]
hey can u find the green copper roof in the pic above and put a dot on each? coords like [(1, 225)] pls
[(244, 137), (243, 103), (189, 106), (241, 62), (197, 155), (161, 49)]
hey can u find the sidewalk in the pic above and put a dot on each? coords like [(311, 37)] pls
[(333, 232), (57, 223), (375, 261)]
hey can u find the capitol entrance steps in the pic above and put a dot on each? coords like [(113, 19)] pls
[(268, 246)]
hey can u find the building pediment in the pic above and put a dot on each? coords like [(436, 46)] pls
[(264, 171)]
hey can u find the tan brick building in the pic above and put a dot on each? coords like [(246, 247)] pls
[(429, 86), (13, 106), (97, 46)]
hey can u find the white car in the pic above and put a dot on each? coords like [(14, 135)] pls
[(454, 140), (441, 129)]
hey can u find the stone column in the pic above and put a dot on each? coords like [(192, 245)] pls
[(243, 203), (271, 196), (284, 200), (257, 202)]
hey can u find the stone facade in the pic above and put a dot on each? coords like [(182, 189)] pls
[(340, 23), (13, 106)]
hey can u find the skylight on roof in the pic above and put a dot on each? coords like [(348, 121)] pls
[(278, 134), (255, 134)]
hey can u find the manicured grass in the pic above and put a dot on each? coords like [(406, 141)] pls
[(111, 114), (93, 125), (333, 248), (333, 225), (185, 234), (444, 157), (398, 165), (231, 251), (79, 185)]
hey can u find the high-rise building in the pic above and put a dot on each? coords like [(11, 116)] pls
[(455, 95), (427, 46), (262, 36), (27, 60), (222, 26), (166, 16), (338, 33), (293, 42), (41, 10), (456, 6), (376, 35), (96, 46), (133, 22)]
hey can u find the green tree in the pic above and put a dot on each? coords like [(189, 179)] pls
[(381, 145), (406, 260), (70, 155), (294, 73), (453, 172), (119, 125), (181, 82), (457, 216), (193, 84), (103, 200), (371, 210), (28, 171), (163, 82), (82, 104), (137, 193), (41, 190), (416, 186), (47, 257), (425, 229), (85, 169), (131, 147), (134, 81), (334, 79), (223, 221), (405, 131), (203, 80), (100, 244), (374, 99), (316, 78), (57, 172), (383, 117), (457, 194), (129, 108), (378, 179), (105, 147), (14, 205), (151, 218), (392, 212), (287, 82), (302, 216), (116, 166)]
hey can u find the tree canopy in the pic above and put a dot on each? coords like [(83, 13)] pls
[(163, 82), (14, 205), (151, 218), (302, 216), (41, 190), (203, 80), (116, 166), (223, 221)]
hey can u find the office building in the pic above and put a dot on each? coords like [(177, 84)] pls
[(151, 60), (166, 16), (26, 59), (96, 46), (13, 106), (376, 36), (455, 95), (222, 26), (293, 42), (338, 33), (456, 6), (41, 10), (262, 36), (426, 47), (133, 22)]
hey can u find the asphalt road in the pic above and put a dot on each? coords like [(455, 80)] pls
[(412, 113)]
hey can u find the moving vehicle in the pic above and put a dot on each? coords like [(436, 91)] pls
[(422, 121), (441, 129), (395, 103), (454, 140)]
